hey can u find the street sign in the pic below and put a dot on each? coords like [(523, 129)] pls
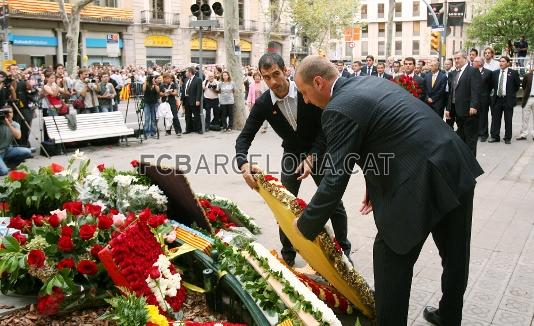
[(352, 44), (112, 45), (438, 29)]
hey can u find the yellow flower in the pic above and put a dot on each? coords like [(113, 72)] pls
[(155, 317)]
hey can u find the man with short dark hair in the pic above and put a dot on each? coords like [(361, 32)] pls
[(370, 69), (9, 132), (357, 68), (473, 53), (522, 49), (191, 100), (485, 87), (409, 68), (342, 69), (380, 68), (299, 126)]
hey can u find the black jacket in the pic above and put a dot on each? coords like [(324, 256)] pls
[(373, 70), (527, 87), (307, 139), (436, 93), (386, 76), (512, 86), (430, 171), (485, 83), (194, 92), (467, 93)]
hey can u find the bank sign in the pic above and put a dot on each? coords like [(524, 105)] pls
[(23, 40)]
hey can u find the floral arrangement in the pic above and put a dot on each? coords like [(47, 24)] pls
[(232, 210), (216, 216), (409, 84), (59, 251)]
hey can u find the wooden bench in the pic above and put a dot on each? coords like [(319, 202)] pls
[(88, 126)]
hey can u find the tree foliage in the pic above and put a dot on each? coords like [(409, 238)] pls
[(506, 20), (315, 19)]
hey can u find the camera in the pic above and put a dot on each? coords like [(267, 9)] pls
[(3, 114), (212, 86)]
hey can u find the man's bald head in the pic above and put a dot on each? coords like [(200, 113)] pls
[(315, 65)]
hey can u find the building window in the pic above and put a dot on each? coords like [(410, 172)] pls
[(241, 6), (416, 11), (348, 49), (381, 29), (365, 31), (398, 9), (157, 8), (365, 49), (453, 46), (461, 45), (415, 47), (416, 28), (380, 10), (398, 29), (381, 48), (364, 11), (398, 47)]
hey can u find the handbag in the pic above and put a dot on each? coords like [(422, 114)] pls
[(79, 103), (58, 104)]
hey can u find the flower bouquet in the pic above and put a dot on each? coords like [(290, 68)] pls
[(409, 84)]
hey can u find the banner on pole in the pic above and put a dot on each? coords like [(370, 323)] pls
[(440, 13), (456, 14)]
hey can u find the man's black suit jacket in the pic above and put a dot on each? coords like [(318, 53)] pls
[(362, 73), (194, 93), (512, 86), (386, 76), (345, 73), (436, 93), (308, 138), (370, 118), (527, 87), (485, 83), (467, 93), (374, 72)]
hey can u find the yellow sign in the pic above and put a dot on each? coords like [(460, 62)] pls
[(158, 41), (352, 34), (8, 63), (246, 46), (207, 44)]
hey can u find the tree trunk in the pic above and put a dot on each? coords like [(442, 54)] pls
[(233, 61), (389, 40), (73, 37)]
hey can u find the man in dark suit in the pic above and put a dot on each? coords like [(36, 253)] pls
[(370, 69), (381, 68), (342, 69), (192, 95), (299, 126), (505, 84), (527, 104), (409, 67), (426, 187), (485, 86), (357, 68), (464, 100), (435, 83)]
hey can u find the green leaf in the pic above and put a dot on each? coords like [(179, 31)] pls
[(11, 244)]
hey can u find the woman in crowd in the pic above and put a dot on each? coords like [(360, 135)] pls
[(256, 89), (226, 100), (151, 100), (52, 94)]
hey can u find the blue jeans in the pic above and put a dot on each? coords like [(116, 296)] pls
[(13, 156), (150, 119)]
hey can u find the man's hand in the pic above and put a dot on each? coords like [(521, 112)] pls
[(248, 171), (367, 206), (429, 100), (295, 225), (472, 111), (197, 103), (305, 168), (447, 115)]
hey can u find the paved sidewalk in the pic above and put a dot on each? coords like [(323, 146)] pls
[(501, 284)]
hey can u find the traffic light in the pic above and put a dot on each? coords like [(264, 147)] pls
[(204, 11), (3, 16), (435, 41)]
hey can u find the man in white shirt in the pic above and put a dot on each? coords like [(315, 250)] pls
[(527, 104), (489, 62)]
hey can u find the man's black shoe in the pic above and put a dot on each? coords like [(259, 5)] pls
[(507, 141), (187, 132), (493, 140), (521, 138), (483, 139), (431, 315)]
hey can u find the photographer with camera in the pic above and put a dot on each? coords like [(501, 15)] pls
[(169, 93), (86, 89), (211, 101), (24, 95), (10, 131), (7, 92), (107, 93), (151, 99)]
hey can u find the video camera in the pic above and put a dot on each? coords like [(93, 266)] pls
[(3, 114)]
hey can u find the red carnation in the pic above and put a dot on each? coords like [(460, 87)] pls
[(145, 214), (301, 203), (212, 217), (134, 163), (17, 223), (204, 203), (49, 304), (94, 210), (36, 258), (65, 244), (95, 250), (66, 263), (100, 167), (17, 175), (113, 211), (156, 220), (73, 207), (269, 177), (4, 206), (105, 222), (154, 273), (87, 267), (66, 231), (54, 220), (38, 220), (56, 168), (87, 231), (20, 238)]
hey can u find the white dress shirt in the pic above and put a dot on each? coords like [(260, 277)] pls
[(492, 65), (504, 82), (288, 104)]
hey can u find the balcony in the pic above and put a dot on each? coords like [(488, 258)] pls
[(249, 26), (160, 19), (282, 29), (300, 50), (44, 10)]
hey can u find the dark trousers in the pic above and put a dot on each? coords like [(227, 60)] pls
[(497, 111), (290, 162), (192, 118), (393, 272), (483, 116), (27, 114), (227, 114), (468, 131), (211, 105), (175, 119)]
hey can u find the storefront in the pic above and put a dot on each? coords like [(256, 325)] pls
[(36, 50), (158, 50), (209, 50), (246, 49), (97, 51), (275, 47)]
